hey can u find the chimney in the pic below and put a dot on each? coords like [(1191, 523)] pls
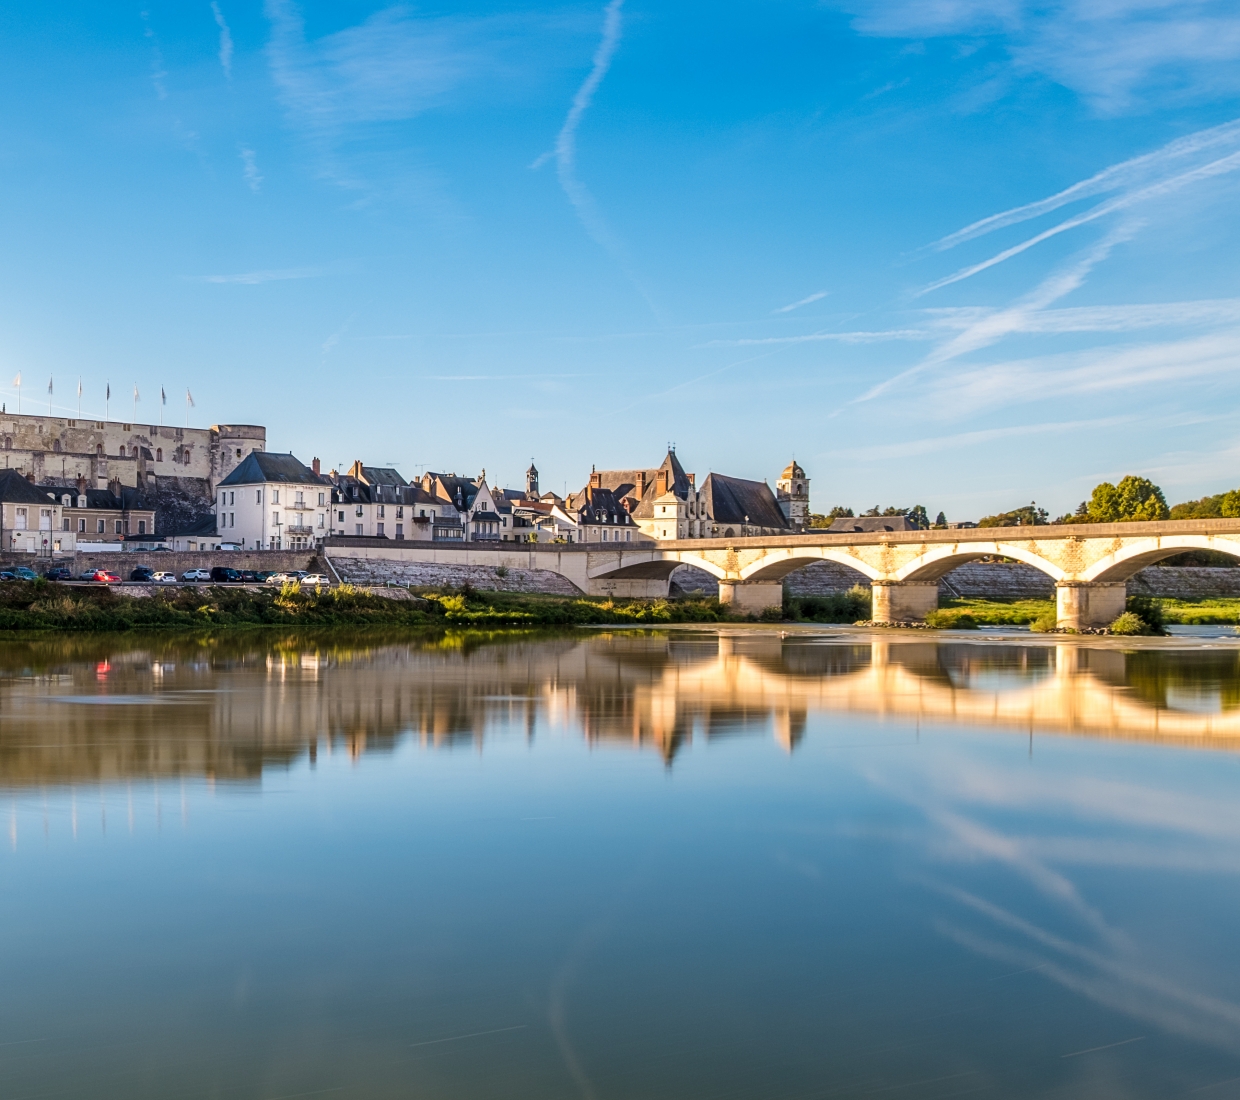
[(660, 483), (596, 479), (641, 483), (81, 484), (314, 465), (693, 481)]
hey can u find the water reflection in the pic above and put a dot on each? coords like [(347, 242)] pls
[(90, 709)]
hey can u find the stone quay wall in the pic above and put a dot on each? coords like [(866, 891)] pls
[(368, 571), (177, 562)]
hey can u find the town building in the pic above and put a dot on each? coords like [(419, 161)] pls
[(30, 520), (377, 502), (792, 492), (273, 502), (100, 519), (54, 449), (872, 523), (666, 503)]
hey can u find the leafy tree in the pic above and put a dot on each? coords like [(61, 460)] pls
[(917, 514), (1028, 516), (940, 520), (816, 520), (1222, 504), (1134, 498)]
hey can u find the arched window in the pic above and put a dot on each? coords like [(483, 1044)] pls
[(56, 445), (159, 454), (99, 449), (122, 450), (8, 442)]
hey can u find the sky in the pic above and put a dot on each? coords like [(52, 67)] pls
[(956, 253)]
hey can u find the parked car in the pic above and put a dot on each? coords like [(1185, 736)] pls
[(195, 575), (222, 575), (248, 576), (318, 580), (5, 575), (264, 575), (141, 573), (281, 578), (164, 577), (24, 574), (100, 576), (60, 573)]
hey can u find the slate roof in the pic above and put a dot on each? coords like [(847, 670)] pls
[(377, 475), (450, 488), (871, 523), (204, 525), (735, 500), (129, 499), (601, 506), (262, 466), (15, 489), (677, 482)]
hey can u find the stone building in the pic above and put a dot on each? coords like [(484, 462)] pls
[(57, 450), (792, 492)]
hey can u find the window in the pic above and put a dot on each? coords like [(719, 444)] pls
[(275, 496), (159, 454), (300, 500), (340, 517), (100, 528), (232, 498), (482, 507), (117, 525), (121, 452), (99, 450), (400, 530), (381, 510), (378, 528), (232, 519), (238, 452), (56, 445), (360, 532), (400, 512), (628, 536), (8, 442), (64, 524), (604, 536), (141, 527), (321, 519), (275, 519), (81, 527), (322, 499)]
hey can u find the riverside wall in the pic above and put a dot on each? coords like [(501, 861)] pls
[(177, 562)]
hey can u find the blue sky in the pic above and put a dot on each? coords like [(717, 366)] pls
[(947, 252)]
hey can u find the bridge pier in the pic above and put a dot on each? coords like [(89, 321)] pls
[(902, 601), (628, 588), (752, 596), (1098, 603)]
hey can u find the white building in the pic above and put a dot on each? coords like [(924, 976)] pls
[(273, 502)]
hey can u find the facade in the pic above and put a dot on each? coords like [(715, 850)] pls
[(601, 518), (666, 503), (273, 502), (30, 520), (792, 492), (61, 450), (376, 502), (100, 519)]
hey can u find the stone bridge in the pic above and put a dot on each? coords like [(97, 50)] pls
[(1089, 563)]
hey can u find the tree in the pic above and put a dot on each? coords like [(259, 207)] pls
[(1222, 504), (1028, 516), (917, 514), (1133, 499), (940, 520), (837, 512)]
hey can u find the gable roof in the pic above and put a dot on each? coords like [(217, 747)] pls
[(376, 475), (259, 467), (735, 500), (872, 523), (15, 489), (601, 506)]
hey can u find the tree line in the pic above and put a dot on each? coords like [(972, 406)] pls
[(1131, 500)]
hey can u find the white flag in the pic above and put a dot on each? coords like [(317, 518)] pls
[(135, 392), (17, 382), (79, 387)]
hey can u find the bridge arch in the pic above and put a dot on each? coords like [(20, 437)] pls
[(1129, 560), (778, 563), (936, 562)]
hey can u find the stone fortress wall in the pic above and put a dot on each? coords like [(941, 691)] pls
[(60, 450)]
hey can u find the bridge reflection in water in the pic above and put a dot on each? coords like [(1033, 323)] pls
[(86, 710)]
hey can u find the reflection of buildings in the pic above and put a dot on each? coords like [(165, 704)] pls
[(89, 710)]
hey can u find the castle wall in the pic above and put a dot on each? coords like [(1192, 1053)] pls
[(55, 448)]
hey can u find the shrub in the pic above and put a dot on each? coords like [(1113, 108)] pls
[(948, 618), (1130, 623), (1045, 623), (838, 607), (1149, 611)]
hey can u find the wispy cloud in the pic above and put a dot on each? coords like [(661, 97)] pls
[(1117, 55), (338, 335), (914, 447), (249, 169), (226, 42), (803, 302), (159, 72), (252, 278), (863, 337), (565, 151)]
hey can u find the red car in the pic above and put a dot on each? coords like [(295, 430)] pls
[(100, 576)]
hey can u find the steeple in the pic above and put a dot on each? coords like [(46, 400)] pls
[(531, 482)]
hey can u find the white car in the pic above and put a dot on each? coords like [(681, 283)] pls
[(164, 577), (281, 578), (196, 575), (318, 580)]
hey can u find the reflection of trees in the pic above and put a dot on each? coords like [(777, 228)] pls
[(87, 708)]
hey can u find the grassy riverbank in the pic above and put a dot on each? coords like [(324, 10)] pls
[(1213, 612), (39, 606)]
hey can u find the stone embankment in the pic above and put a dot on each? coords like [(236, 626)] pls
[(424, 575)]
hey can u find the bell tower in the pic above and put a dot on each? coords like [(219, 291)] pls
[(792, 492), (531, 482)]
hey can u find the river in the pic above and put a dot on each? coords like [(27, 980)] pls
[(620, 864)]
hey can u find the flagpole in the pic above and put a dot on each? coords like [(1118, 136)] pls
[(18, 383), (79, 397), (49, 395), (107, 402)]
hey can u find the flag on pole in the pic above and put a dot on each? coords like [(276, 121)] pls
[(17, 382), (163, 397), (108, 395), (189, 398), (135, 392), (79, 396), (49, 395), (49, 385)]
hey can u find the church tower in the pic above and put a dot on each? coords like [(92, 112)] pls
[(792, 492), (531, 482)]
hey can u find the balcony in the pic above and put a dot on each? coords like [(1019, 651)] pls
[(298, 529)]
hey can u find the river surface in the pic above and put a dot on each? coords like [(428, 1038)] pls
[(615, 864)]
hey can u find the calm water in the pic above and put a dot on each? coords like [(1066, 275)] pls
[(614, 865)]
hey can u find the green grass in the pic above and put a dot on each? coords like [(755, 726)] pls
[(1215, 612), (999, 612)]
